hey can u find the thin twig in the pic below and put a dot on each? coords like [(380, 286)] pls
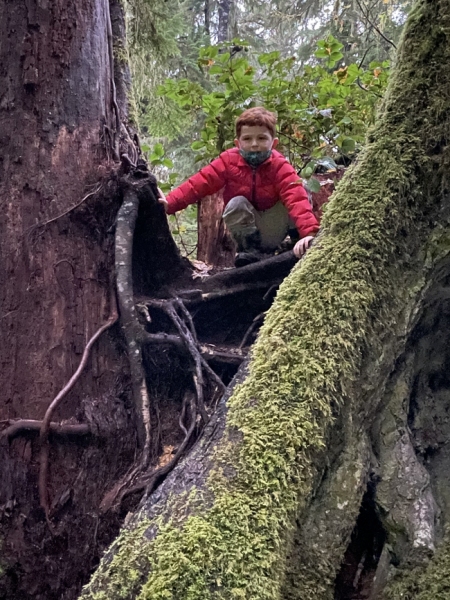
[(364, 56), (213, 374), (45, 427), (187, 315), (186, 335), (366, 16), (359, 84), (289, 137), (182, 414), (180, 236)]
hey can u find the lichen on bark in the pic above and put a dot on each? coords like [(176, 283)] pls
[(322, 359)]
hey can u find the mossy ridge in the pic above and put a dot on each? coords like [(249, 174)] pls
[(429, 583), (347, 296)]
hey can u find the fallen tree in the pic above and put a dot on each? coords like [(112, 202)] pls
[(332, 417)]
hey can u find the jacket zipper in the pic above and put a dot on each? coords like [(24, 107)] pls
[(253, 185)]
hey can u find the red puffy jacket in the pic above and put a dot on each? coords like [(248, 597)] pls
[(275, 179)]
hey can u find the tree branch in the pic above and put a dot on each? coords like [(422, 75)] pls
[(366, 16)]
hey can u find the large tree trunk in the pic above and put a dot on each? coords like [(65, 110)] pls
[(330, 425), (223, 28), (61, 130)]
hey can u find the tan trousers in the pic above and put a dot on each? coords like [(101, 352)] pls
[(242, 219)]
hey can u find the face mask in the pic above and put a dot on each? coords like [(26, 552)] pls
[(254, 159)]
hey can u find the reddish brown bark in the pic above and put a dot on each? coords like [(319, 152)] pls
[(56, 109), (215, 246), (328, 182), (54, 280)]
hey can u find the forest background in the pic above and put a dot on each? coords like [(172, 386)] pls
[(322, 66)]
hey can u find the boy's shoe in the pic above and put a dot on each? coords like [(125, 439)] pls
[(249, 247), (248, 239), (246, 258)]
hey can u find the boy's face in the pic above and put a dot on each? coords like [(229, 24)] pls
[(255, 138)]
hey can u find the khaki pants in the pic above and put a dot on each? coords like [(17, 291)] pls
[(243, 220)]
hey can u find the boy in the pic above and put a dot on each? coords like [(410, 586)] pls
[(262, 192)]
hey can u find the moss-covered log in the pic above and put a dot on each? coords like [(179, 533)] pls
[(302, 435)]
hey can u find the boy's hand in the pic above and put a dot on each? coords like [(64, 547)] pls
[(302, 246), (162, 199)]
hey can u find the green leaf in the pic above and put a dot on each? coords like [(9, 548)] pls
[(215, 69), (197, 145), (335, 56), (158, 150), (313, 185), (348, 145)]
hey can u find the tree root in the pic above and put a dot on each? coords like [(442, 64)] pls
[(20, 427), (251, 329), (125, 225), (188, 335), (268, 271), (207, 351), (66, 212), (195, 410), (45, 426)]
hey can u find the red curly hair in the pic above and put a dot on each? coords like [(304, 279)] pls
[(257, 116)]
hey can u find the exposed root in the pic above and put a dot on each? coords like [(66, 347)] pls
[(149, 481), (251, 329), (193, 410), (66, 212), (207, 351), (45, 426), (20, 427), (132, 328), (168, 306)]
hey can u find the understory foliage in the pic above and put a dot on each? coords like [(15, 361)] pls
[(346, 300), (166, 37), (322, 110)]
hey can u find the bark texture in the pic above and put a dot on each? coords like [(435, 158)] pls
[(269, 511), (58, 126), (215, 246)]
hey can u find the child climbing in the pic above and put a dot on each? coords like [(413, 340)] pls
[(262, 193)]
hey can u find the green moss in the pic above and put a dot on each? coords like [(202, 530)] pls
[(346, 302), (120, 53), (429, 583), (127, 568)]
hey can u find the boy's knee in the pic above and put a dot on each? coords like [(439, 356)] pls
[(239, 213), (238, 203)]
